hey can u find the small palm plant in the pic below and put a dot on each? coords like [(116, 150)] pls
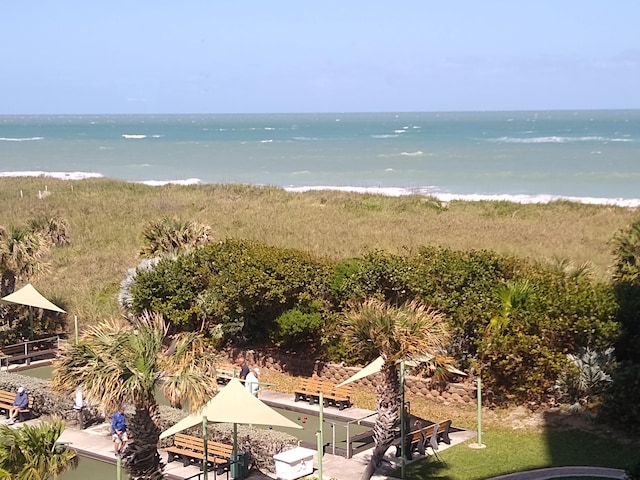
[(586, 378), (21, 255), (170, 235), (32, 452)]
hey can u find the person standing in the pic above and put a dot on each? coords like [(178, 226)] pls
[(244, 368), (251, 382), (119, 431), (20, 401)]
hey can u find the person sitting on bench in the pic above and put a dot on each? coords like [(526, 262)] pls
[(21, 401)]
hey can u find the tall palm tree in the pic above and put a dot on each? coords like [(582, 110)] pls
[(118, 362), (170, 235), (407, 332), (21, 254), (31, 452)]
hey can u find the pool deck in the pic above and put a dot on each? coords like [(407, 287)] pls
[(95, 442)]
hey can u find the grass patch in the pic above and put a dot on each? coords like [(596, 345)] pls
[(106, 218), (510, 451)]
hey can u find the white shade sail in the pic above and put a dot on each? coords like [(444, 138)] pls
[(372, 368), (233, 404), (29, 296), (375, 366)]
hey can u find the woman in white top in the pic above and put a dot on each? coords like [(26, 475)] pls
[(251, 382)]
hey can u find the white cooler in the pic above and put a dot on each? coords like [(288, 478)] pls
[(294, 463)]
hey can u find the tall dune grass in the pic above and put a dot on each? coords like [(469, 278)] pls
[(106, 218)]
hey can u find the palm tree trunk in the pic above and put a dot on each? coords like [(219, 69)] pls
[(387, 423), (141, 457)]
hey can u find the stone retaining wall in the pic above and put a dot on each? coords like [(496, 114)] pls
[(301, 366)]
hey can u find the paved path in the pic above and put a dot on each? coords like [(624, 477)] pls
[(95, 442)]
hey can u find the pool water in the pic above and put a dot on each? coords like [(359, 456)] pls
[(310, 425), (93, 469), (333, 431)]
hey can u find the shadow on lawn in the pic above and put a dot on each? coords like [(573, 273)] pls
[(430, 468), (574, 440)]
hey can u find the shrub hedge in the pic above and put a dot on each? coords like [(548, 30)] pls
[(261, 294)]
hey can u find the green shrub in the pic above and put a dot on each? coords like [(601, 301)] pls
[(294, 326), (45, 402), (240, 284)]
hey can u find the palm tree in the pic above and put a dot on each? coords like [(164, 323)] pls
[(512, 296), (21, 252), (118, 362), (31, 452), (170, 235), (54, 229), (407, 332)]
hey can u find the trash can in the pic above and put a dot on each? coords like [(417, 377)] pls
[(240, 469)]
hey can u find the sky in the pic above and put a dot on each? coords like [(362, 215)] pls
[(213, 56)]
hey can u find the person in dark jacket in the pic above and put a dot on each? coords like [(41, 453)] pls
[(19, 402)]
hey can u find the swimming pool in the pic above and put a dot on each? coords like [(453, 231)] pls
[(335, 431)]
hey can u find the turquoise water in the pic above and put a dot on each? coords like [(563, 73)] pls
[(526, 156)]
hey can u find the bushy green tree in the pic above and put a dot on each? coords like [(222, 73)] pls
[(242, 285)]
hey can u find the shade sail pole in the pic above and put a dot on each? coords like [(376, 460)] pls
[(30, 323), (320, 433), (205, 453), (234, 458)]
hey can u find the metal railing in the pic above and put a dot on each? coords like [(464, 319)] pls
[(28, 350)]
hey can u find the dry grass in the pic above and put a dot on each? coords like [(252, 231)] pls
[(106, 219)]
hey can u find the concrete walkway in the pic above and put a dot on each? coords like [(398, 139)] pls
[(95, 442)]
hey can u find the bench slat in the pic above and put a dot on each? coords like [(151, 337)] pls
[(192, 448)]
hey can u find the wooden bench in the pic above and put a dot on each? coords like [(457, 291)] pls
[(429, 436), (332, 395), (337, 396), (190, 449), (6, 402), (309, 391)]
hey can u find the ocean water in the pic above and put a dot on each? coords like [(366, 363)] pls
[(586, 156)]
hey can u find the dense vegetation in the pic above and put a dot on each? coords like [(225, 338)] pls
[(510, 279)]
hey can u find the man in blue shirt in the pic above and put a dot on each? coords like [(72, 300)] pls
[(19, 402), (119, 431)]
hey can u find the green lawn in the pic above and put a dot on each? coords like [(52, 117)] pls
[(510, 451)]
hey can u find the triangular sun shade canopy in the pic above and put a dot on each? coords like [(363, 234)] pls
[(233, 404), (29, 296), (375, 366)]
